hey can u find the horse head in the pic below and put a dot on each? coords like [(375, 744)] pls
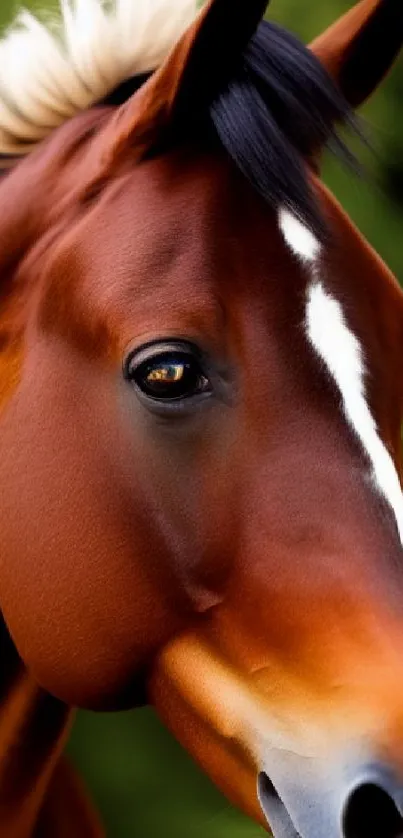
[(201, 420)]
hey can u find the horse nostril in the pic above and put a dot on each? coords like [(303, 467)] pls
[(371, 813), (274, 809), (267, 794)]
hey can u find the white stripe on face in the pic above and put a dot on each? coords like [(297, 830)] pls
[(342, 355)]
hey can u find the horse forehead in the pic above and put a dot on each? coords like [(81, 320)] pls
[(185, 229), (195, 199), (200, 181)]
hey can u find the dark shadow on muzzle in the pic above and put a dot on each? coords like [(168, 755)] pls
[(277, 816)]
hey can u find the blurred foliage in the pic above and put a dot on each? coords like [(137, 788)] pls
[(143, 783)]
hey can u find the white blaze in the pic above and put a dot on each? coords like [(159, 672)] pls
[(341, 353)]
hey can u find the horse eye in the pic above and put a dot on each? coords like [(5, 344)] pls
[(166, 375)]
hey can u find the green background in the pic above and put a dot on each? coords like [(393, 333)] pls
[(144, 784)]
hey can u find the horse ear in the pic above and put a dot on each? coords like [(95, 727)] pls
[(188, 80), (359, 49)]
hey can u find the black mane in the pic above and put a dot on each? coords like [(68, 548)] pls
[(277, 110)]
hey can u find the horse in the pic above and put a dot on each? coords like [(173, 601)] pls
[(201, 408)]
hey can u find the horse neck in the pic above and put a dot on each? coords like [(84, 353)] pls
[(33, 731), (38, 793), (33, 726)]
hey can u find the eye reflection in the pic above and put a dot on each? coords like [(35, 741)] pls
[(173, 374), (168, 373)]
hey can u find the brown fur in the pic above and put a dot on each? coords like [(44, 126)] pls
[(237, 565)]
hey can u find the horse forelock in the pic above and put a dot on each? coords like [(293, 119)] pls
[(52, 70), (277, 110)]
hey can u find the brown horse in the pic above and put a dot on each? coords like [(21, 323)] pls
[(201, 393)]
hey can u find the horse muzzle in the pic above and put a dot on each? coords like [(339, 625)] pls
[(352, 800), (330, 771)]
